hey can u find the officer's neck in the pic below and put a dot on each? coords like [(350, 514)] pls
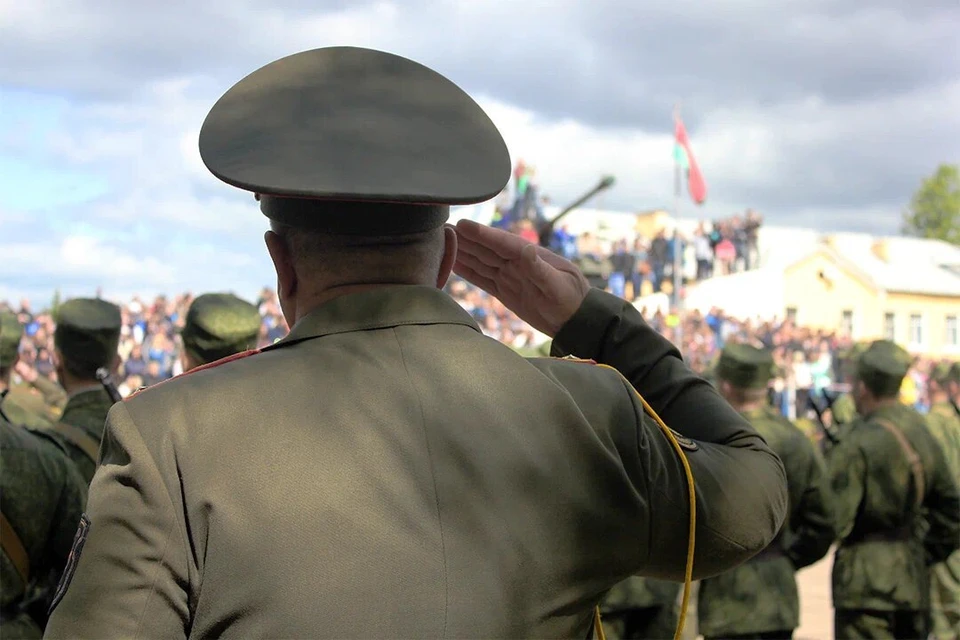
[(309, 298), (870, 405), (73, 385), (748, 406)]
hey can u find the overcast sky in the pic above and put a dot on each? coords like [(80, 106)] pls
[(818, 113)]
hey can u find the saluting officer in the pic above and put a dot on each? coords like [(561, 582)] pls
[(386, 470)]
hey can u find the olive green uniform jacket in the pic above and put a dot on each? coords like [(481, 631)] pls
[(761, 595), (417, 479), (43, 496), (36, 406), (81, 428), (641, 608), (886, 549), (944, 423)]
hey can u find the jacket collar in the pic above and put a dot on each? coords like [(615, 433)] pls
[(381, 308), (86, 398)]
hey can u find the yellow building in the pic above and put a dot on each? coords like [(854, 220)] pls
[(902, 289)]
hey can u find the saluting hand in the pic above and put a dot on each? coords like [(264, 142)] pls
[(539, 286)]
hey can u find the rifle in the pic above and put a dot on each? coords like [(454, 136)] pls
[(812, 404), (547, 229), (103, 375), (3, 394)]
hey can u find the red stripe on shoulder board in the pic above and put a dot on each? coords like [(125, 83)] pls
[(576, 359), (209, 365)]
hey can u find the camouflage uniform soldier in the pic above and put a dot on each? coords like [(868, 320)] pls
[(888, 475), (218, 325), (641, 608), (759, 599), (944, 424), (21, 404), (43, 496), (86, 338)]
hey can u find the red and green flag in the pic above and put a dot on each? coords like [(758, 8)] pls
[(687, 164)]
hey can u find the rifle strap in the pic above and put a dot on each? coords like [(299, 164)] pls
[(80, 439), (916, 464), (13, 547)]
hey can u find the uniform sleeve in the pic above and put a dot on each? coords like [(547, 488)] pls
[(847, 468), (813, 529), (942, 505), (73, 497), (53, 394), (740, 482), (131, 577)]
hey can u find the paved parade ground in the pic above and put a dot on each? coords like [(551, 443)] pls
[(816, 612)]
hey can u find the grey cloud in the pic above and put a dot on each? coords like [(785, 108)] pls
[(605, 63)]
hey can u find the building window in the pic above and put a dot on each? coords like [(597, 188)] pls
[(846, 322), (792, 314), (916, 329), (890, 327), (952, 334)]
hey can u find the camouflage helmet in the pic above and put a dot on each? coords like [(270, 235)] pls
[(883, 366), (219, 325), (745, 366)]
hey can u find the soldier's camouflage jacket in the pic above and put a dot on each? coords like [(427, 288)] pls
[(86, 411), (886, 549), (761, 595), (43, 497), (944, 423)]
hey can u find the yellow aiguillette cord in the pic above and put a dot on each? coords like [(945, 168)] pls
[(691, 536)]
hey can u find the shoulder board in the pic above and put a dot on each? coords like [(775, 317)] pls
[(576, 359), (209, 365)]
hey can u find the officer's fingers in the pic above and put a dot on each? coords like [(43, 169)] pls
[(539, 273), (476, 265), (471, 276), (479, 251), (505, 244)]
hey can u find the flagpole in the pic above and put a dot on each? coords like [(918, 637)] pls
[(677, 279)]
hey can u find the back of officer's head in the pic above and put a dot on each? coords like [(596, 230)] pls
[(356, 157)]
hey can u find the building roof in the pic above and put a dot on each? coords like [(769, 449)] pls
[(891, 263), (912, 265)]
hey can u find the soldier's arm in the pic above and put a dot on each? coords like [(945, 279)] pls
[(846, 468), (53, 394), (813, 531), (132, 574), (942, 504), (740, 483), (73, 498)]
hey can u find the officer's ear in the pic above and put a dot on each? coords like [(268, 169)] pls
[(449, 255), (283, 264), (115, 365)]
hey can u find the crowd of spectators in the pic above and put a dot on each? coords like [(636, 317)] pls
[(637, 266), (809, 360)]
